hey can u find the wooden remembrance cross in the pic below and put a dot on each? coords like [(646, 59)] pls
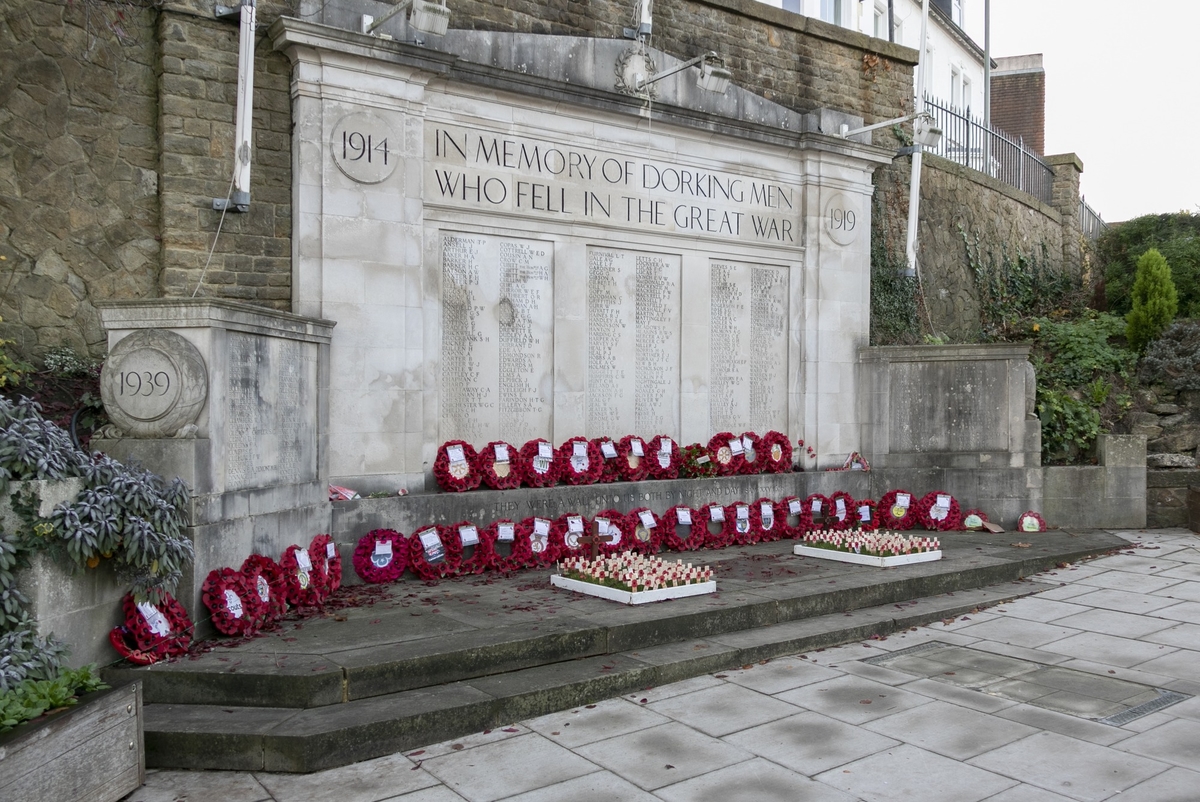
[(594, 540)]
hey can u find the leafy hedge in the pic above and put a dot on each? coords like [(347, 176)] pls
[(1176, 236)]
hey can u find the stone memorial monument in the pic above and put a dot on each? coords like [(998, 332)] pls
[(516, 244)]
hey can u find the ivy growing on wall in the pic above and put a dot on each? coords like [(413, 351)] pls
[(895, 297)]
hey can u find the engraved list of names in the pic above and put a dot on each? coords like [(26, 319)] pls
[(633, 342), (497, 346), (748, 347)]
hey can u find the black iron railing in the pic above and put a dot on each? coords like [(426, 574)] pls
[(968, 142), (1090, 222)]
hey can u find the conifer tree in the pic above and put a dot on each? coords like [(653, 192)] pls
[(1154, 300)]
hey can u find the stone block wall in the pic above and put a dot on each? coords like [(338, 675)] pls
[(79, 214), (1171, 423)]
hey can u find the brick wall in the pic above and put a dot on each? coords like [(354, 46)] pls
[(197, 93), (1019, 106)]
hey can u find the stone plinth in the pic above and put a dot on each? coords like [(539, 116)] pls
[(1110, 494), (255, 456)]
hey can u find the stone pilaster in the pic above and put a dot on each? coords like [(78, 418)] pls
[(1064, 197)]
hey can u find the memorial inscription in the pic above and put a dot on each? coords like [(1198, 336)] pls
[(748, 347), (271, 411), (633, 342), (497, 348), (154, 383), (487, 170)]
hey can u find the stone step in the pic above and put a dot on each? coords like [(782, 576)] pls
[(419, 636), (287, 739)]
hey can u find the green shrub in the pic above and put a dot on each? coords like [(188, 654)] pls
[(1072, 353), (1174, 358), (1177, 238), (33, 697), (1154, 300), (1068, 425)]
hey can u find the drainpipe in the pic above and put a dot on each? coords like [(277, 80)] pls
[(239, 199), (914, 185)]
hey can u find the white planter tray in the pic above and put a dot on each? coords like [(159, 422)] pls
[(626, 597), (867, 559)]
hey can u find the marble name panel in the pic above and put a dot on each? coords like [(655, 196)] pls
[(748, 347), (633, 318), (497, 350)]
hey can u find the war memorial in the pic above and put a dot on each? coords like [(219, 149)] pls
[(506, 238)]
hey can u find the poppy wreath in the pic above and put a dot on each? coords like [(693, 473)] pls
[(775, 452), (455, 477), (568, 541), (485, 558), (231, 602), (721, 449), (741, 528), (619, 527), (973, 520), (949, 521), (767, 520), (610, 467), (445, 559), (816, 518), (697, 462), (725, 532), (499, 475), (580, 469), (633, 468), (138, 643), (549, 552), (847, 517), (671, 524), (299, 584), (793, 521), (664, 464), (646, 539), (752, 458), (870, 523), (266, 577), (537, 470), (504, 555), (324, 546), (319, 575), (477, 561), (1030, 521), (375, 567), (895, 516)]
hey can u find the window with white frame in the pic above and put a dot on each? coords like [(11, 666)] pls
[(832, 11), (881, 21), (956, 87), (966, 92), (956, 12)]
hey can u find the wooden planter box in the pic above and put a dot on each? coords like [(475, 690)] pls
[(867, 559), (91, 752)]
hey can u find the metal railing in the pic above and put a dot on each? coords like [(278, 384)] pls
[(1090, 222), (968, 142)]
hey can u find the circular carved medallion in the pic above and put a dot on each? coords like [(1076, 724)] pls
[(154, 383)]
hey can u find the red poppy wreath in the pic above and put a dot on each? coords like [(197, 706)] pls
[(521, 554), (541, 542), (231, 602), (610, 470), (973, 520), (381, 556), (841, 509), (539, 468), (266, 577), (938, 511), (486, 557), (646, 530), (566, 532), (617, 526), (738, 514), (499, 466), (581, 461), (665, 458), (434, 552), (300, 585), (727, 452), (324, 546), (816, 511), (794, 521), (631, 458), (866, 515), (1030, 521), (455, 467), (768, 520), (718, 528), (775, 452), (897, 510), (752, 458), (152, 632), (682, 530)]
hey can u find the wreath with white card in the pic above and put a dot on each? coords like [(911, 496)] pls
[(539, 468), (381, 556), (231, 602), (665, 458), (298, 581), (727, 452), (152, 632), (646, 529), (678, 519), (632, 458), (897, 510), (454, 468), (498, 466), (718, 528), (938, 512), (581, 461), (775, 452)]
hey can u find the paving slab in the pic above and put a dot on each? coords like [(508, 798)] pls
[(907, 773), (662, 755), (724, 710), (754, 780), (950, 730), (1176, 741), (510, 767)]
